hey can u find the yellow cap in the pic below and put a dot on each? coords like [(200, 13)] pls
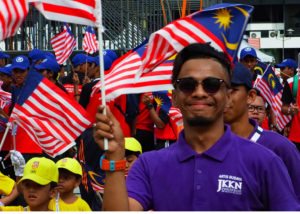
[(132, 144), (70, 164), (40, 170)]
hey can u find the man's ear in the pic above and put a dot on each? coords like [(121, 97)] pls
[(251, 96), (53, 192)]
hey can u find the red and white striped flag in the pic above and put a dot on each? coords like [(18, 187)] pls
[(12, 15), (90, 44), (63, 45), (271, 90), (83, 12), (121, 77), (51, 118), (221, 25)]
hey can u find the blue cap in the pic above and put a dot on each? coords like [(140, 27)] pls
[(2, 55), (106, 59), (111, 54), (20, 62), (6, 69), (79, 59), (36, 55), (49, 54), (50, 64), (241, 75), (247, 51), (287, 63)]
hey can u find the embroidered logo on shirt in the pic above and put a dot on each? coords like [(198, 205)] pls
[(230, 184)]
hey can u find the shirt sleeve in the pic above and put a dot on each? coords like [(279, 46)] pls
[(138, 183), (6, 184), (287, 96), (278, 192)]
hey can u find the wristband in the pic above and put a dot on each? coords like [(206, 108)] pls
[(112, 165), (149, 106), (76, 95), (289, 110)]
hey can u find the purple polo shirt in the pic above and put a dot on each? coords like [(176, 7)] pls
[(285, 149), (234, 174)]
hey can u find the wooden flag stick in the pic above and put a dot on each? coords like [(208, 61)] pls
[(4, 136), (100, 43)]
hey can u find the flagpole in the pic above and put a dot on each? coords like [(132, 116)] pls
[(100, 45), (5, 134), (14, 134)]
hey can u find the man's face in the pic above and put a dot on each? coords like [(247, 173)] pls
[(286, 72), (6, 79), (19, 76), (257, 110), (238, 104), (201, 108), (91, 70), (249, 62)]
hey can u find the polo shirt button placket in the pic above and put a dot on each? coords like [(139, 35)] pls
[(198, 187)]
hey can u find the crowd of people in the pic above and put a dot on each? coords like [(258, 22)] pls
[(228, 155)]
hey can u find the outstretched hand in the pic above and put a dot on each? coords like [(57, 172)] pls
[(107, 126)]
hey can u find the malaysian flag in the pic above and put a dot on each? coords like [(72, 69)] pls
[(121, 77), (51, 118), (95, 177), (12, 15), (74, 11), (222, 25), (5, 97), (63, 45), (90, 44), (271, 89)]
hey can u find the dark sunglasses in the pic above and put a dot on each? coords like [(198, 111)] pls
[(211, 85)]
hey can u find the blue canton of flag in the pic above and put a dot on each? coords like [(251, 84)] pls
[(222, 25), (273, 82), (95, 177), (163, 100), (260, 68)]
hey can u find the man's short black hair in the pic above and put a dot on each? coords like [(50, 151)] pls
[(198, 51)]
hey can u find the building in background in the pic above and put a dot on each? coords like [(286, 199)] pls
[(274, 27)]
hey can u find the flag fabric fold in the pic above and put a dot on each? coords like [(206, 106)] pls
[(90, 44), (83, 12), (121, 77), (12, 15), (271, 89), (222, 25), (52, 119), (63, 45)]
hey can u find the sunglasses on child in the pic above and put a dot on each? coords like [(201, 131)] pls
[(210, 85)]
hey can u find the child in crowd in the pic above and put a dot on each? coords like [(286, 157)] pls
[(132, 151), (37, 185), (70, 173)]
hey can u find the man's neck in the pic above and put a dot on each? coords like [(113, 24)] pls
[(242, 127), (41, 207), (204, 137)]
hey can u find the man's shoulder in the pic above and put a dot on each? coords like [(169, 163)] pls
[(275, 139)]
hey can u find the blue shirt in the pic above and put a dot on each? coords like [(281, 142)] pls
[(234, 174), (285, 149)]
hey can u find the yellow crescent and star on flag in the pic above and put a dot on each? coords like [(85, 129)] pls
[(224, 18), (271, 80)]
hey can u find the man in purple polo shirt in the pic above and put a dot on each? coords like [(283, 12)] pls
[(236, 115), (209, 168)]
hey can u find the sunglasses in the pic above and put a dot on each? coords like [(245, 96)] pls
[(210, 85)]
